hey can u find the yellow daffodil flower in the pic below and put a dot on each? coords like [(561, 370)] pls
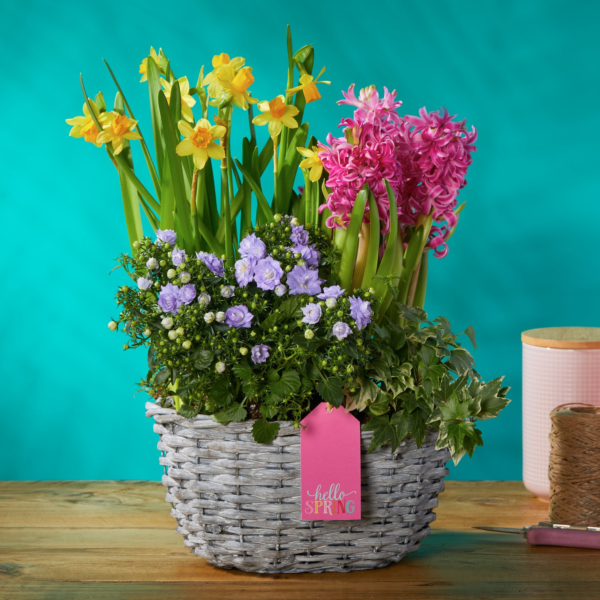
[(200, 142), (276, 113), (144, 65), (85, 127), (309, 87), (116, 128), (312, 161), (186, 100), (215, 89), (237, 84)]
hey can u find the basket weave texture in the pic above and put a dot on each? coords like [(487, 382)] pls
[(237, 503)]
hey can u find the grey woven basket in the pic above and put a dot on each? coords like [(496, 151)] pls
[(237, 503)]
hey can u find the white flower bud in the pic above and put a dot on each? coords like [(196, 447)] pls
[(113, 326), (309, 334), (220, 316), (152, 263), (280, 290), (187, 344), (243, 351), (209, 317), (180, 331), (147, 332), (295, 222), (185, 277), (171, 273), (227, 291), (204, 299), (167, 322), (331, 302), (172, 334), (220, 367)]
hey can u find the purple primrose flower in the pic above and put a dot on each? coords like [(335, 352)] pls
[(167, 236), (169, 298), (213, 263), (334, 291), (244, 270), (341, 330), (361, 311), (267, 273), (299, 235), (312, 313), (178, 256), (253, 247), (302, 280), (187, 293), (260, 353), (238, 316)]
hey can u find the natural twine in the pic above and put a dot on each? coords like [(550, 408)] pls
[(574, 469)]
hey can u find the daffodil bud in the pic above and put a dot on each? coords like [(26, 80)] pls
[(167, 322), (172, 334), (220, 367), (209, 317), (171, 273), (113, 325), (220, 316)]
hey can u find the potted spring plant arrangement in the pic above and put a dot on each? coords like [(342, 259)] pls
[(253, 312)]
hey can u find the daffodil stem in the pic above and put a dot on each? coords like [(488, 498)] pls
[(252, 128), (275, 203), (225, 212)]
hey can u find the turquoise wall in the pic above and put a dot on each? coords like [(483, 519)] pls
[(524, 72)]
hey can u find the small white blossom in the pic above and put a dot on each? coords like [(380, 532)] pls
[(171, 273), (295, 222), (147, 332), (185, 277), (331, 302), (167, 322), (172, 334), (220, 367), (280, 289), (152, 263), (187, 344), (220, 316), (113, 325), (209, 317)]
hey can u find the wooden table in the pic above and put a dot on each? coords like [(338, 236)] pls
[(116, 540)]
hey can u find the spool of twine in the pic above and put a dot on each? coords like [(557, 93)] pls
[(574, 469)]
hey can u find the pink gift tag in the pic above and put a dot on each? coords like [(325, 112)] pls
[(330, 465)]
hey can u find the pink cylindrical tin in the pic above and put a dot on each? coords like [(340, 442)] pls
[(560, 365)]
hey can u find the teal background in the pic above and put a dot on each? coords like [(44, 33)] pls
[(525, 73)]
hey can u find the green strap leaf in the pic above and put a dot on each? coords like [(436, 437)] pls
[(391, 239), (154, 89), (351, 240), (373, 251), (262, 201)]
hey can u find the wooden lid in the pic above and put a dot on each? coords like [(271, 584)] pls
[(566, 338)]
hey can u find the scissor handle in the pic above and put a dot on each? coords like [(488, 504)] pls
[(570, 538)]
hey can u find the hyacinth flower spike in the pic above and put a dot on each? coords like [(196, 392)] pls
[(308, 87)]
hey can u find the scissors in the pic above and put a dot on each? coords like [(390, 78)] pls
[(552, 534)]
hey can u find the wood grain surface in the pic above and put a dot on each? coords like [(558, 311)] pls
[(116, 540)]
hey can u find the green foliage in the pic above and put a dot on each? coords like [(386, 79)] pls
[(427, 381)]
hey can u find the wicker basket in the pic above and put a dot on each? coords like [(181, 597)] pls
[(237, 503)]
